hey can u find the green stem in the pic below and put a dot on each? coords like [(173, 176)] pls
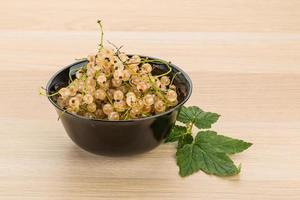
[(174, 77), (157, 90), (47, 95), (126, 114), (101, 35), (61, 114), (109, 99), (189, 128), (159, 62)]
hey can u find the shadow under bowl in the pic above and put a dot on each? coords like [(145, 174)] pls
[(119, 138)]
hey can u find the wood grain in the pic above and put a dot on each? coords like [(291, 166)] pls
[(243, 58)]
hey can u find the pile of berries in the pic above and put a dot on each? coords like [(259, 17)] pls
[(114, 86)]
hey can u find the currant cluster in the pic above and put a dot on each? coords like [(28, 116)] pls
[(115, 86)]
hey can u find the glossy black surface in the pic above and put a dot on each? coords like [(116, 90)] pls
[(118, 138)]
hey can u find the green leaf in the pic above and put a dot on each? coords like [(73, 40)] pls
[(220, 143), (188, 114), (195, 115), (176, 133), (192, 157), (206, 119), (186, 139)]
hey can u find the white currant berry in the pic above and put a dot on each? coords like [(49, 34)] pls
[(147, 109), (123, 57), (107, 108), (92, 107), (120, 106), (100, 94), (73, 90), (90, 81), (171, 95), (88, 99), (72, 110), (126, 75), (116, 82), (146, 68), (142, 86), (113, 116), (89, 115), (159, 106), (99, 114), (61, 102), (135, 80), (91, 58), (79, 74), (101, 78), (118, 95), (64, 92), (148, 99), (90, 90), (118, 74), (130, 98), (74, 102), (91, 72), (165, 80), (172, 87)]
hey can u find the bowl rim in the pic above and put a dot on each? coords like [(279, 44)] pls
[(130, 120)]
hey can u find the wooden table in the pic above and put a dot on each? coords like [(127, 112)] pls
[(244, 60)]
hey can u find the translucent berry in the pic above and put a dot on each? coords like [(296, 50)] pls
[(89, 115), (81, 86), (123, 57), (165, 80), (90, 81), (107, 108), (79, 74), (116, 82), (148, 99), (73, 90), (113, 116), (159, 106), (88, 99), (100, 94), (171, 95), (99, 114), (79, 97), (64, 92), (73, 110), (146, 68), (74, 102), (147, 109), (61, 102), (120, 106), (172, 87), (92, 107), (101, 78), (173, 103), (118, 95), (91, 58), (135, 80), (118, 74), (136, 59), (90, 90), (91, 72), (142, 86), (126, 75), (130, 98)]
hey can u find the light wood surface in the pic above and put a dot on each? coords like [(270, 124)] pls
[(242, 55)]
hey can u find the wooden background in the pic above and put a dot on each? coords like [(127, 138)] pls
[(242, 55)]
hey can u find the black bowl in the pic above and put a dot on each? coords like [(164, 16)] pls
[(118, 138)]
